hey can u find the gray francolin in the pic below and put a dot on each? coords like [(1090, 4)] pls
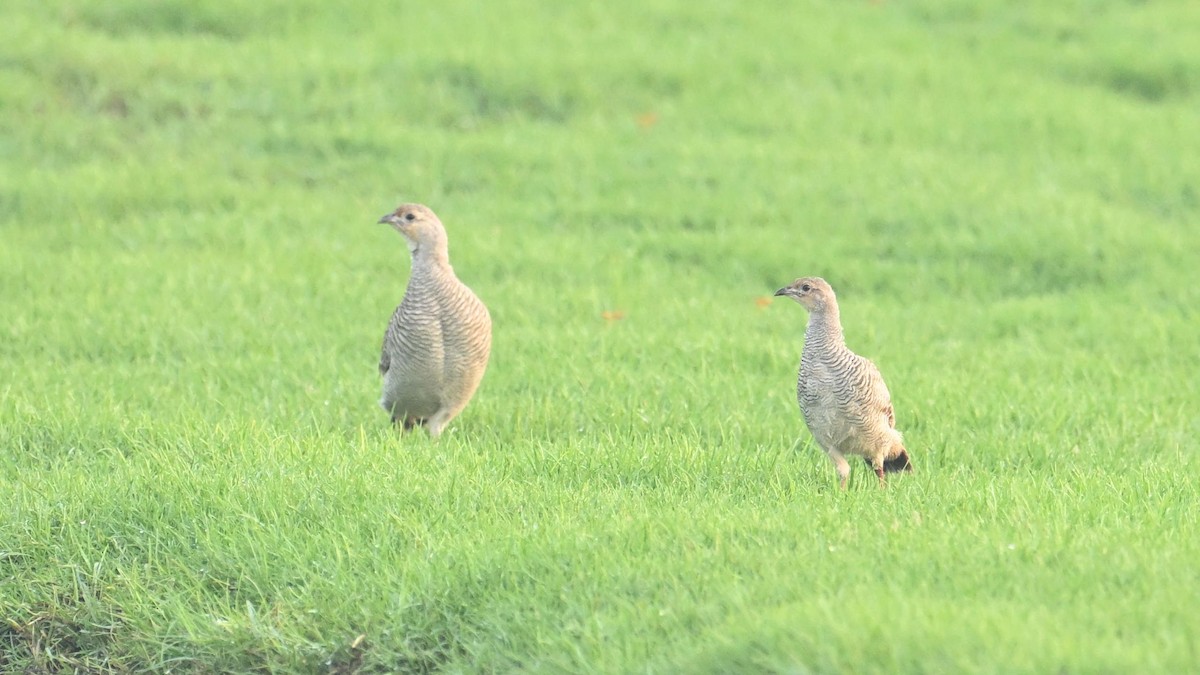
[(842, 396), (437, 344)]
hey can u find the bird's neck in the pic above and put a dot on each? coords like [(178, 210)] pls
[(429, 257), (824, 328)]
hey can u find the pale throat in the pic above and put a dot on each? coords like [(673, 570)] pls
[(427, 251)]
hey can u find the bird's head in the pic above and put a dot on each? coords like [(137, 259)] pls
[(813, 292), (419, 225)]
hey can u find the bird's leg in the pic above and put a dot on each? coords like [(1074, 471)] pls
[(408, 422), (438, 422), (841, 466)]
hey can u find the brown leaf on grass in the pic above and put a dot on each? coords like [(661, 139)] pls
[(647, 119), (612, 315), (763, 301)]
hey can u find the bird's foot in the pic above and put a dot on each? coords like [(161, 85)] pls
[(409, 423)]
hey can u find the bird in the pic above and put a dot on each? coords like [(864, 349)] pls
[(438, 341), (842, 396)]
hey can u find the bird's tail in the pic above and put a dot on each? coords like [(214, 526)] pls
[(898, 461)]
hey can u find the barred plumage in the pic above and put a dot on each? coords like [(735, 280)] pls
[(842, 396), (436, 347)]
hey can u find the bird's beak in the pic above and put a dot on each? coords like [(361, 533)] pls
[(390, 219), (783, 291)]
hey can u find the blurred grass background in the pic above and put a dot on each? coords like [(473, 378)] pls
[(196, 476)]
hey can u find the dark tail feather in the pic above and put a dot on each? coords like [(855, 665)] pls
[(898, 463)]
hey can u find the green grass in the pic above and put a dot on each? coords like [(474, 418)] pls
[(195, 476)]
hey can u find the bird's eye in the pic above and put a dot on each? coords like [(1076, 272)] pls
[(806, 288), (409, 217)]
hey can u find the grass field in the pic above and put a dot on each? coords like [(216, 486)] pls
[(194, 473)]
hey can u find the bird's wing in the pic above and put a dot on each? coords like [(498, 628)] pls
[(385, 361), (385, 356), (880, 399)]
